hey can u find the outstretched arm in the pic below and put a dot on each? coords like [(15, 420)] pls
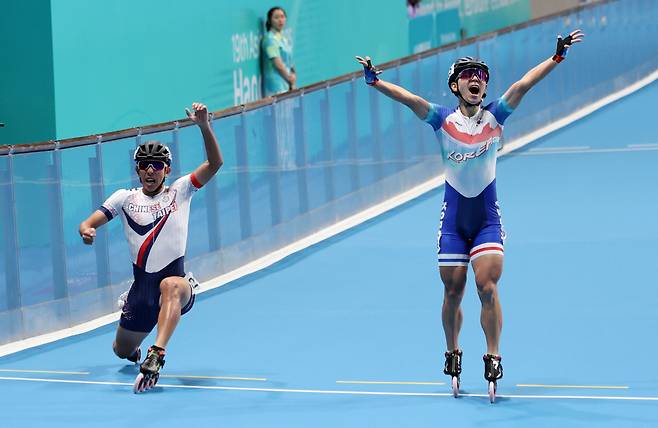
[(516, 92), (207, 169), (417, 104)]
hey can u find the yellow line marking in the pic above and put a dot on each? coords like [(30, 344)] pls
[(260, 379), (531, 385), (42, 371), (373, 382)]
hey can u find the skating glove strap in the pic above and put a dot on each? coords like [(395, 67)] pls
[(370, 73), (562, 48)]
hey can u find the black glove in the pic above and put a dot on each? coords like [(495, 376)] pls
[(562, 48)]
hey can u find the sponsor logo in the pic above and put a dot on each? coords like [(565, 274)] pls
[(438, 237), (143, 208), (156, 210), (166, 210), (503, 234), (463, 157)]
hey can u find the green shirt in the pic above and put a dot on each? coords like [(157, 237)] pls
[(275, 45)]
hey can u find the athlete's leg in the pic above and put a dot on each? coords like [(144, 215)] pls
[(175, 293), (488, 269), (126, 342), (454, 282)]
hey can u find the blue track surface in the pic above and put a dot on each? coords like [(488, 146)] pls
[(578, 294)]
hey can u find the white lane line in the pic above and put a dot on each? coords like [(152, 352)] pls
[(42, 371), (339, 392), (633, 146), (377, 382), (558, 149), (569, 151), (260, 379), (533, 385)]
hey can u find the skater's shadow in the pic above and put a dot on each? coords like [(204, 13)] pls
[(187, 381), (464, 393), (156, 390), (129, 369)]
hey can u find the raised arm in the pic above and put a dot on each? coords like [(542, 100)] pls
[(417, 104), (516, 92), (207, 169)]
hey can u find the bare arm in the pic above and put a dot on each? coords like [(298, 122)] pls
[(291, 78), (417, 104), (518, 89), (87, 229), (209, 168)]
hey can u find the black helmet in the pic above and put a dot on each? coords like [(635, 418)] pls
[(153, 150), (462, 64)]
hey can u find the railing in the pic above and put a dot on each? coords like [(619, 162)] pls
[(294, 164)]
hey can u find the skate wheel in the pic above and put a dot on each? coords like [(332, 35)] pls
[(455, 386), (492, 392), (154, 380), (137, 387)]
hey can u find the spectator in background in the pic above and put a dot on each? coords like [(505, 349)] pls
[(278, 72), (412, 7)]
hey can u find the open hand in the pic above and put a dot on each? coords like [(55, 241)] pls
[(199, 114), (369, 71), (563, 44)]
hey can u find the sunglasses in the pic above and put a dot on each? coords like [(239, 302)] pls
[(156, 165), (477, 72)]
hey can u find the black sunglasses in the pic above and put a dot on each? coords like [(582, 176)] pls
[(156, 165)]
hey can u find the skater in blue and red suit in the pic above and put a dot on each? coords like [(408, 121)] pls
[(470, 227)]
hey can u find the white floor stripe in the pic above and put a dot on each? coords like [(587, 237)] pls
[(42, 371), (635, 146), (338, 392), (254, 379), (534, 385), (567, 151), (383, 382), (558, 149), (337, 228)]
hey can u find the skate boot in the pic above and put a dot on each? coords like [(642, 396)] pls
[(493, 370), (135, 357), (453, 368), (149, 370)]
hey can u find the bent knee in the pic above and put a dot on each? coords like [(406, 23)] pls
[(171, 287), (122, 351)]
